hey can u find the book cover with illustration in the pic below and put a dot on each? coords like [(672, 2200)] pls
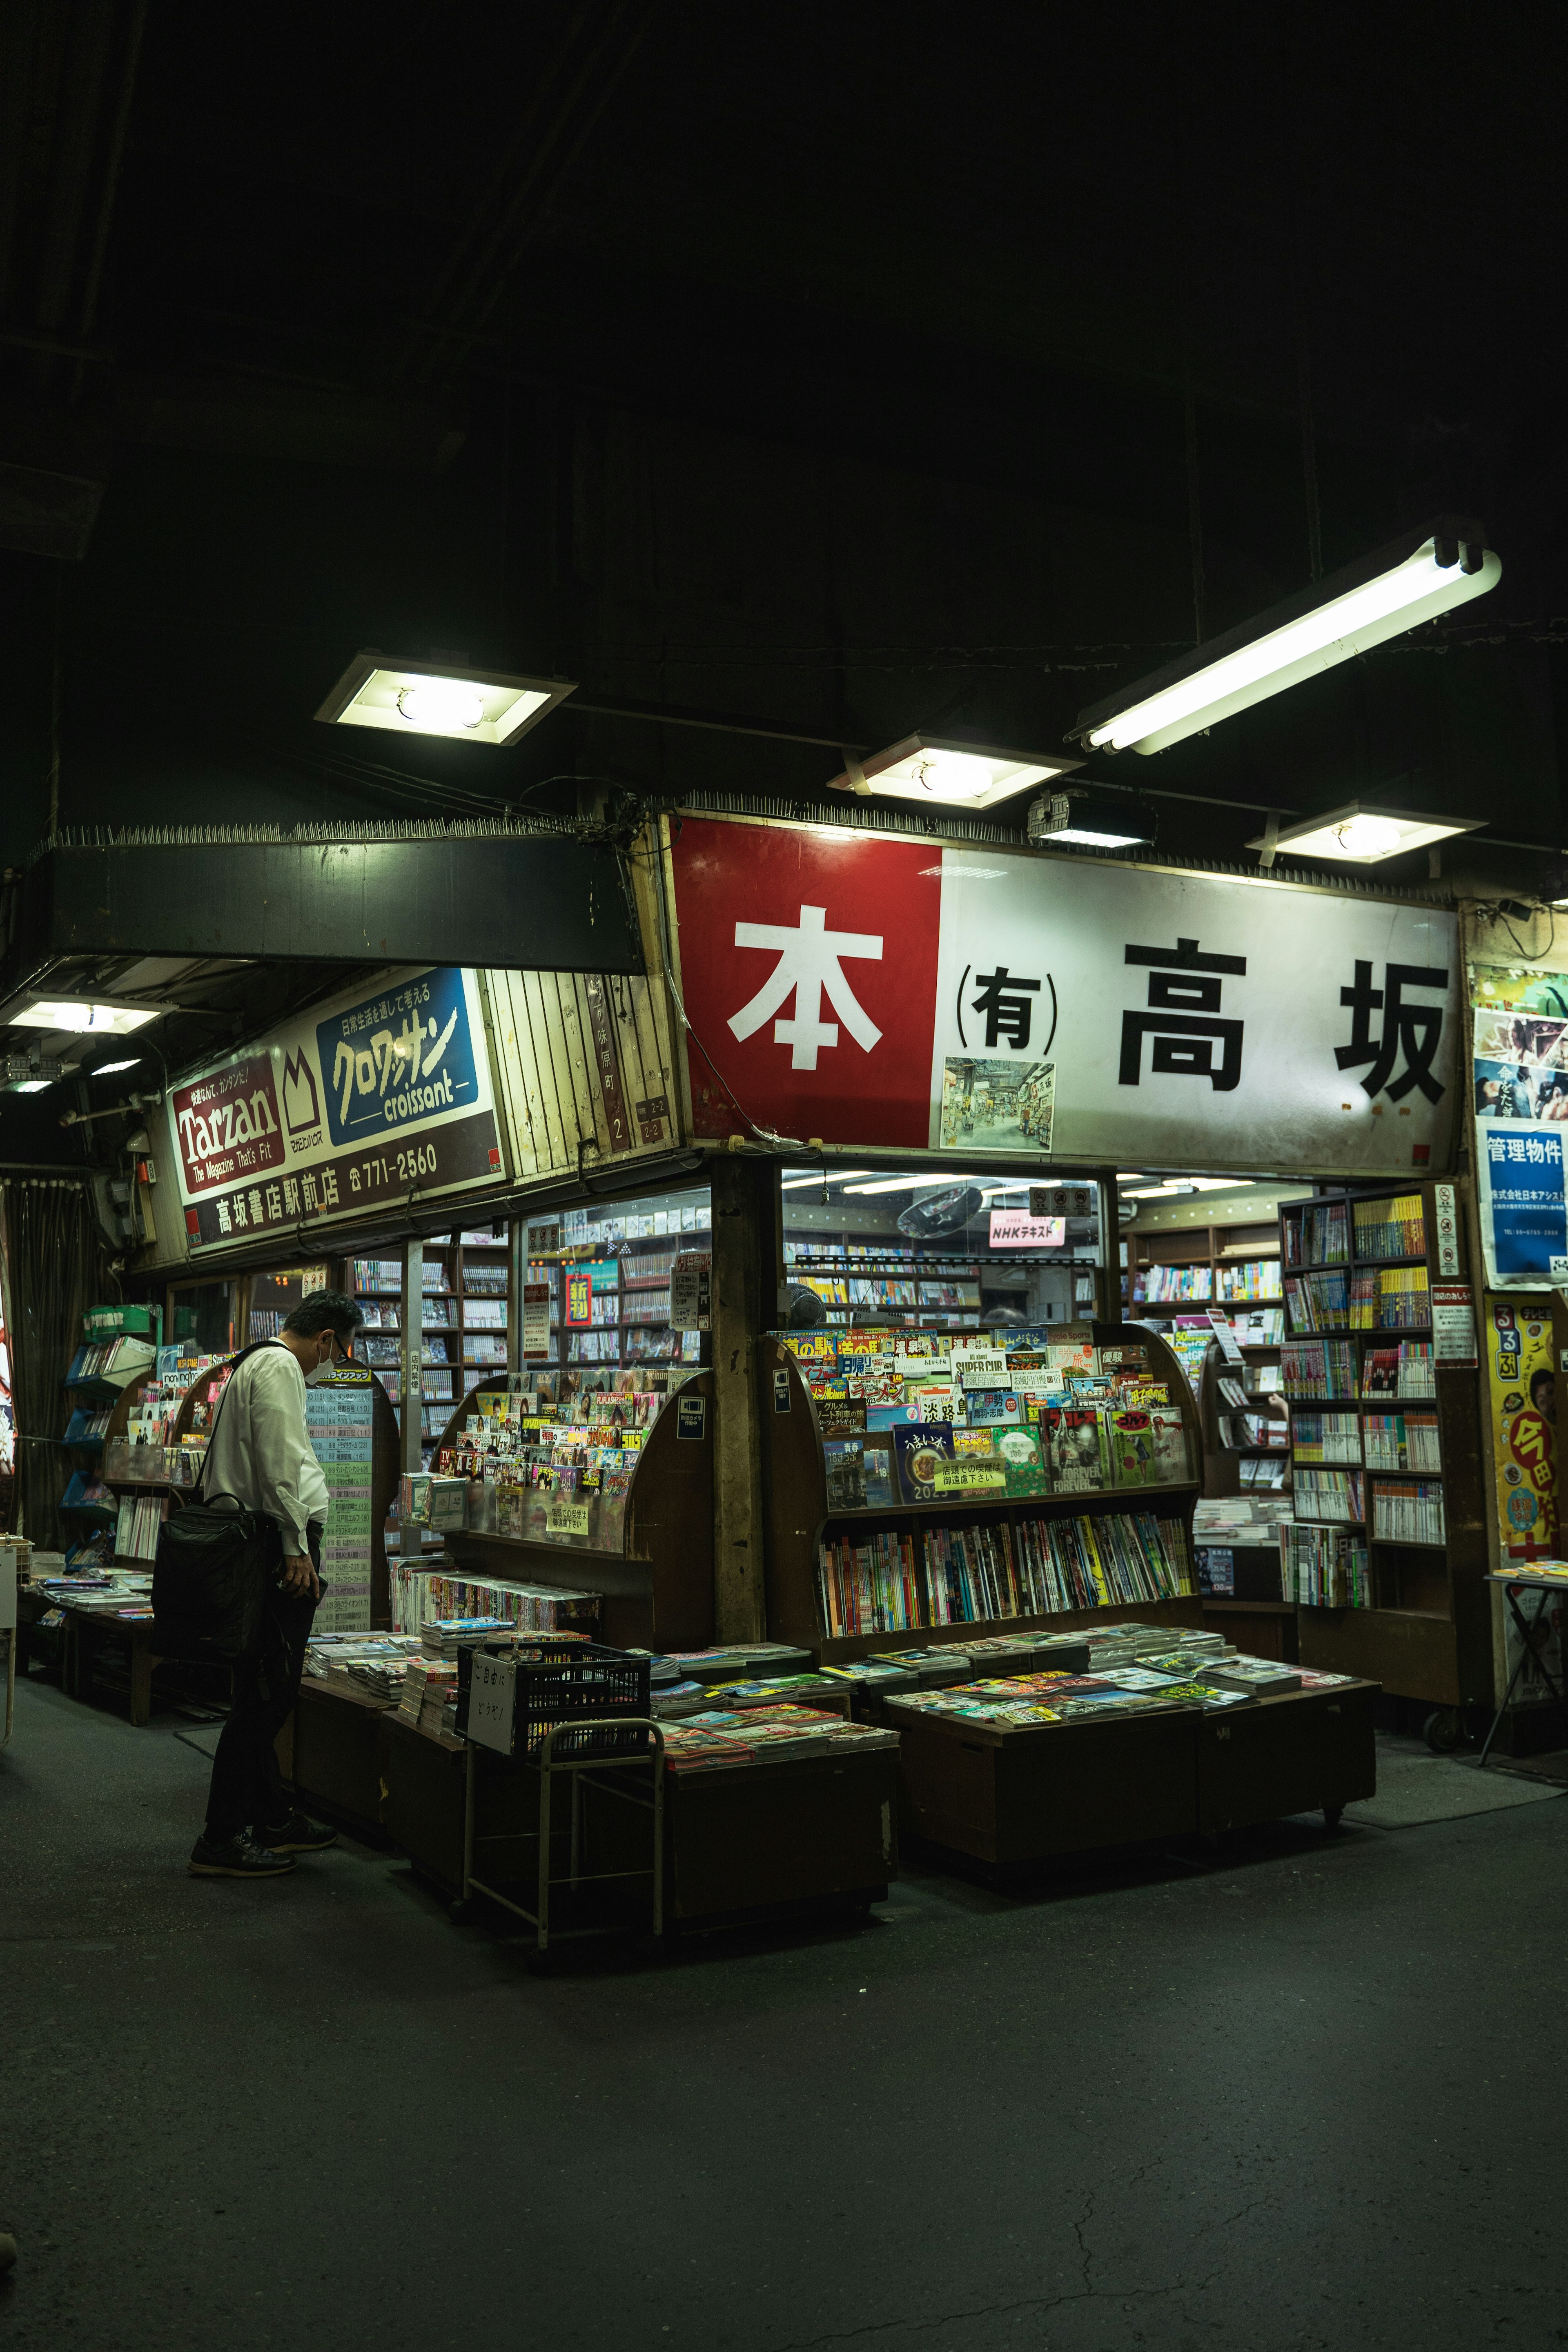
[(920, 1449), (1074, 1438), (1132, 1439)]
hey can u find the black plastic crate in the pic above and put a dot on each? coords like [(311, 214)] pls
[(585, 1682)]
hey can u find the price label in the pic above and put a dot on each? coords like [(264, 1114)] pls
[(968, 1477)]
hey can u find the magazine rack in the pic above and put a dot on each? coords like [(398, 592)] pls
[(657, 1577), (799, 1519)]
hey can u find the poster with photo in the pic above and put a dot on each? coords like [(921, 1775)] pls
[(1520, 1098), (1523, 1393)]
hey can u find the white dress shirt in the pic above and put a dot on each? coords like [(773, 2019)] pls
[(260, 1449)]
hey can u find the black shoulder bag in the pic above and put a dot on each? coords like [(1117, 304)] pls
[(212, 1571)]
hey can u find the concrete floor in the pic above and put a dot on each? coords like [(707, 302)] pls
[(1312, 2097)]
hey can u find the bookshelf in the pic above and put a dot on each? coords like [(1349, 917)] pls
[(801, 1517), (1226, 1264), (647, 1549), (1386, 1464), (627, 1252)]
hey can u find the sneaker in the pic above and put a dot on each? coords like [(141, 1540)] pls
[(297, 1835), (237, 1857)]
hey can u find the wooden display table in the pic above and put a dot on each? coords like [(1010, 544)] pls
[(1026, 1794), (332, 1749), (81, 1638)]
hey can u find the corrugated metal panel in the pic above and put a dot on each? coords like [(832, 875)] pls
[(578, 1057)]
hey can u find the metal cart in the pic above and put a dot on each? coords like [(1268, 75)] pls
[(549, 1766)]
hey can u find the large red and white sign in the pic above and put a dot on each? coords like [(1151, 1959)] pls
[(869, 990)]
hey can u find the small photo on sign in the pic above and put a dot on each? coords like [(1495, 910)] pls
[(997, 1106)]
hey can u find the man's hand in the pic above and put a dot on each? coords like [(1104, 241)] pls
[(298, 1576)]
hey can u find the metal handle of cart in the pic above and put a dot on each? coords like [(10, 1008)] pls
[(547, 1764)]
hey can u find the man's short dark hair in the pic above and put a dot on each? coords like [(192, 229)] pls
[(324, 1310)]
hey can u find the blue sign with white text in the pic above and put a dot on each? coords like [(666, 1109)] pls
[(403, 1056)]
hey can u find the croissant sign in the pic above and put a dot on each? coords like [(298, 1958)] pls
[(368, 1098)]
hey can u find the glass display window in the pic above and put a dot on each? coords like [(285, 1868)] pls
[(941, 1251)]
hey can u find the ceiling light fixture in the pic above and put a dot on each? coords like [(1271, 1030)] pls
[(78, 1015), (27, 1074), (1364, 835), (429, 697), (112, 1069), (1410, 580), (950, 770), (1090, 820)]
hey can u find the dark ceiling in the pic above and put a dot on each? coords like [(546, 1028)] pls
[(832, 370)]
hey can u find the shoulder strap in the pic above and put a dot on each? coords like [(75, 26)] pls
[(198, 1492)]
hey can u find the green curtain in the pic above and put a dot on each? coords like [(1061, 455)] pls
[(56, 1266)]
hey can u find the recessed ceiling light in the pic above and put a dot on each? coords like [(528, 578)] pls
[(950, 770), (1364, 835), (80, 1014), (466, 706)]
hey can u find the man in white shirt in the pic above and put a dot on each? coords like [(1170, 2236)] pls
[(260, 1454)]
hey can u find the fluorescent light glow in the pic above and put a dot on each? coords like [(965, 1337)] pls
[(29, 1086), (1414, 585), (796, 1183), (78, 1016), (909, 1183), (441, 706), (1363, 836), (951, 772), (111, 1070), (1085, 840), (466, 706)]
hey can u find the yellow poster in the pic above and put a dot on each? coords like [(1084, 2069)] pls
[(1522, 1389)]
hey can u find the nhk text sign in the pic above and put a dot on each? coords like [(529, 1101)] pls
[(361, 1100), (868, 989)]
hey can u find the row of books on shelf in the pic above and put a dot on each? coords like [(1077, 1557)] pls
[(1380, 1441), (139, 1523), (890, 1580), (1069, 1450), (1329, 1369), (1321, 1232), (889, 1290), (580, 1227), (422, 1596), (1403, 1510), (1251, 1278), (119, 1359), (1385, 1298), (1324, 1567)]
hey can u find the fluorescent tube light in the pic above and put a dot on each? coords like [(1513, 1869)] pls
[(950, 770), (77, 1015), (794, 1184), (1365, 835), (909, 1183), (111, 1070), (1411, 580), (29, 1085), (466, 706)]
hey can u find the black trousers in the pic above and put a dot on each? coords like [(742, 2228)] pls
[(246, 1789)]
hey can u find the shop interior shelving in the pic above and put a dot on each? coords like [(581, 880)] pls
[(866, 1271), (628, 1251), (1232, 1264), (799, 1518), (1427, 1635)]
